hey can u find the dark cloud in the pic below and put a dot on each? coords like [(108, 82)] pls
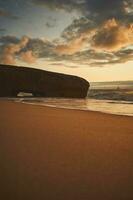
[(25, 49), (98, 10), (101, 5), (72, 47), (77, 27), (29, 50), (119, 57), (41, 48), (9, 51), (91, 58), (106, 9), (110, 38), (113, 36), (7, 14), (111, 20), (105, 25), (102, 35), (94, 13), (2, 30), (124, 55), (50, 25), (67, 5), (8, 39)]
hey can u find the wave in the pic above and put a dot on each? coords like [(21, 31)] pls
[(105, 106), (119, 95)]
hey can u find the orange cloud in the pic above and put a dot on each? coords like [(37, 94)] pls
[(9, 52), (113, 36), (28, 57), (8, 59), (75, 45), (110, 37), (71, 48)]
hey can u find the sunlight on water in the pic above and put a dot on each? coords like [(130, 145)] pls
[(108, 97), (106, 106)]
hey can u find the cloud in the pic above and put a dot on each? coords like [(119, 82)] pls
[(113, 36), (124, 56), (28, 57), (7, 14), (106, 9), (71, 48), (93, 5), (26, 49), (72, 54), (108, 44), (9, 39), (101, 35), (99, 10), (108, 21), (2, 29), (77, 27), (42, 48), (49, 25), (67, 5), (9, 51), (77, 44)]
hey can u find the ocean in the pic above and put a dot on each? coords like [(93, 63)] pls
[(107, 97), (112, 85)]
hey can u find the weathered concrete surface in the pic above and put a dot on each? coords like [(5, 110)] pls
[(40, 83)]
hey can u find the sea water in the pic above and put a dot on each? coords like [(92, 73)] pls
[(111, 97), (106, 106)]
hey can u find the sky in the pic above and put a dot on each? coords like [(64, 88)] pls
[(89, 38)]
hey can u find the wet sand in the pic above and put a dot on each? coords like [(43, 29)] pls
[(59, 154)]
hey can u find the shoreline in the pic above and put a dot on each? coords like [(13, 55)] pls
[(74, 109), (62, 107)]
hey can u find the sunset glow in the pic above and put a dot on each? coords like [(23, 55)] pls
[(89, 38)]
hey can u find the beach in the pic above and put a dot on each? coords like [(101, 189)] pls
[(61, 154)]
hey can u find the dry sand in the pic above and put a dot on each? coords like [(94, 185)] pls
[(59, 154)]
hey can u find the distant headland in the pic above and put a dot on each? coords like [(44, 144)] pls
[(15, 80)]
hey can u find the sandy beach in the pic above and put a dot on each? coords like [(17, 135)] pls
[(59, 154)]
